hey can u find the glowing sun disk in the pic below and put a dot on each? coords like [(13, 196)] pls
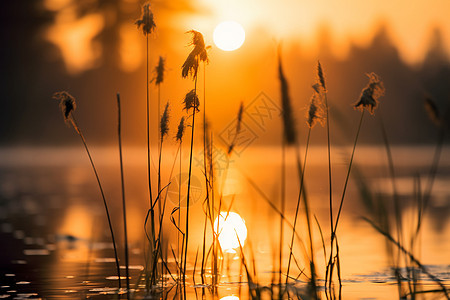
[(230, 228), (229, 35)]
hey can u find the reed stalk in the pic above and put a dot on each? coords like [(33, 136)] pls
[(331, 263), (103, 198), (289, 137), (124, 207), (202, 272), (68, 105), (190, 67), (298, 206), (389, 237), (146, 22), (189, 184)]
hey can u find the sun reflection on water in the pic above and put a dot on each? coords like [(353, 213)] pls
[(230, 298)]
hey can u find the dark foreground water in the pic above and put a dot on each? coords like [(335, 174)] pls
[(55, 242)]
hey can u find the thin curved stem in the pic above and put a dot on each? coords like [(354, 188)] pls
[(348, 174), (189, 183), (78, 130), (298, 205)]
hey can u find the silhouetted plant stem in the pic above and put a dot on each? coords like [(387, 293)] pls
[(298, 205), (282, 209), (77, 129), (411, 256), (432, 175), (180, 253), (215, 236), (159, 176), (312, 263), (330, 183), (152, 212), (189, 183), (160, 212), (124, 208), (202, 272), (148, 126), (397, 208), (348, 174), (335, 225)]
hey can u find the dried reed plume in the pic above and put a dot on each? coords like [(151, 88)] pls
[(164, 129), (66, 103), (199, 53), (315, 111), (146, 21), (290, 134), (371, 93), (180, 132), (239, 117), (238, 128), (159, 70), (191, 101), (321, 76)]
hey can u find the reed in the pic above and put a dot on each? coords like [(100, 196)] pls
[(441, 121), (124, 206), (163, 131), (317, 112), (67, 103), (207, 181), (158, 79), (289, 138), (314, 115), (368, 101), (190, 67), (148, 25)]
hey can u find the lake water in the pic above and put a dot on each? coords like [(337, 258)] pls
[(56, 243)]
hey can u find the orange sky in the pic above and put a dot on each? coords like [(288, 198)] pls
[(410, 24)]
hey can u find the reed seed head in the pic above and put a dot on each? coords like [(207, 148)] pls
[(199, 53), (67, 104), (165, 122), (191, 101), (180, 132), (315, 112), (159, 70), (239, 118), (371, 93), (146, 21), (290, 133), (321, 75), (238, 127)]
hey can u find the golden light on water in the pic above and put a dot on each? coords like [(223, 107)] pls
[(77, 222), (229, 35), (230, 227)]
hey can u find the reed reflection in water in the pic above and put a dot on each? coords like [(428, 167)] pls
[(54, 236)]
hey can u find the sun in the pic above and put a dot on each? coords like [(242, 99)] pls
[(229, 35), (232, 231)]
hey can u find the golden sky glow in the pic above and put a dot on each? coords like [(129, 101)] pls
[(409, 22), (410, 25), (229, 35)]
